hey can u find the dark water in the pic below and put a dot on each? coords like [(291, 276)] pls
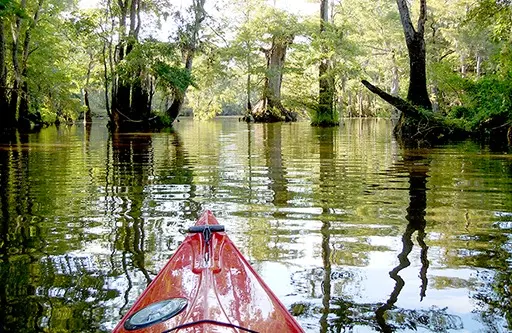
[(351, 231)]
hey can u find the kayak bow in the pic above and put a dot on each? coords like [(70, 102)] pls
[(207, 286)]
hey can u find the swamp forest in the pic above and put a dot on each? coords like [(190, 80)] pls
[(442, 67)]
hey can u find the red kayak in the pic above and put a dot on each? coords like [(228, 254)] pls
[(208, 286)]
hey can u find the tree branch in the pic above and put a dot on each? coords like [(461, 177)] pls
[(397, 102), (423, 17), (405, 17), (446, 54)]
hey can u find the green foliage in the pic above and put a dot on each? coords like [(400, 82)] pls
[(11, 8), (215, 85), (323, 120), (486, 100), (172, 77), (495, 14), (370, 44), (164, 121)]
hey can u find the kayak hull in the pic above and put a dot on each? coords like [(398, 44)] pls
[(222, 290)]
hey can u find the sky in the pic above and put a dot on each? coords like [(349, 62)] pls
[(295, 6), (300, 7)]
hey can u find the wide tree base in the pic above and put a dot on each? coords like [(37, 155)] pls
[(424, 130), (121, 123), (324, 121), (267, 112)]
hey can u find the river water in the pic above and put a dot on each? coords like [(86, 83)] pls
[(350, 230)]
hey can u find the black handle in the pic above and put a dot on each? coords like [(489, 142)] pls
[(201, 228)]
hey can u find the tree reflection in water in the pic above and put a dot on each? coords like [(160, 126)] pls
[(274, 160), (40, 287), (20, 242), (326, 144), (341, 314), (418, 173), (132, 156), (130, 190), (389, 318)]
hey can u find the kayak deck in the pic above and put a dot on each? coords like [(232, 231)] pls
[(221, 290)]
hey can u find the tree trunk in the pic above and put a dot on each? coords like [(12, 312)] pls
[(140, 100), (130, 101), (88, 113), (248, 110), (414, 124), (122, 99), (248, 48), (463, 66), (270, 109), (120, 89), (5, 113), (325, 114), (174, 110), (249, 71), (179, 98), (13, 102), (106, 80), (350, 105), (417, 94), (249, 105), (190, 50), (360, 102), (24, 118), (404, 106), (478, 66), (275, 65), (139, 108)]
